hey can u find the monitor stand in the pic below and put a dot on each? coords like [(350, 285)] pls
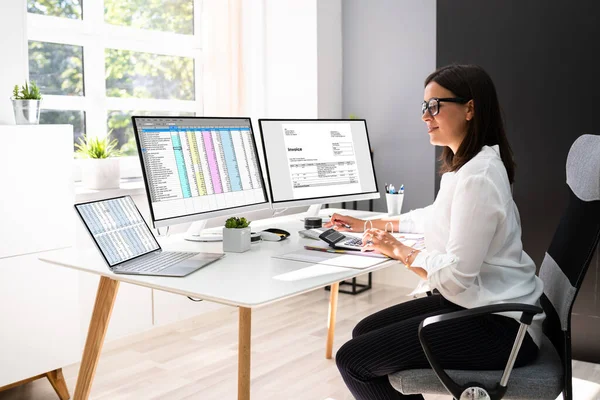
[(313, 211), (194, 233)]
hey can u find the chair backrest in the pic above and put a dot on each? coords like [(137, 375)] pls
[(572, 246)]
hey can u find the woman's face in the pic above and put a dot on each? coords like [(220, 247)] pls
[(449, 126)]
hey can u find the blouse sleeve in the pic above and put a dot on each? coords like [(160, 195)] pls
[(413, 221), (476, 212)]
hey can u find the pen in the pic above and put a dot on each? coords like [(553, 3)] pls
[(324, 250), (348, 252), (401, 189), (337, 222)]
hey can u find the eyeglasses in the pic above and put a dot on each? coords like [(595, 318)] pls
[(433, 104)]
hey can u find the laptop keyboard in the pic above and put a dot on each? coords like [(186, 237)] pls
[(156, 263)]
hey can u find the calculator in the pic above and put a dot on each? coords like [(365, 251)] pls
[(338, 239)]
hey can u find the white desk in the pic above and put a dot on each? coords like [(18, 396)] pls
[(244, 280)]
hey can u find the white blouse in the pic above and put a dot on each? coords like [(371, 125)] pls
[(474, 255)]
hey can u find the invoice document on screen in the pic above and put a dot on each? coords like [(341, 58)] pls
[(321, 157)]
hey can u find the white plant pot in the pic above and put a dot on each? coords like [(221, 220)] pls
[(236, 240), (101, 173)]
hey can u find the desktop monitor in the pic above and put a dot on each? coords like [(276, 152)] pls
[(316, 161), (196, 168)]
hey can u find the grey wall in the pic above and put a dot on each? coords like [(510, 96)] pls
[(388, 51), (542, 58)]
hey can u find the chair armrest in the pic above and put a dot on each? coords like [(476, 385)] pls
[(528, 312)]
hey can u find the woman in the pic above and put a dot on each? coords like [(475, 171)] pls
[(473, 256)]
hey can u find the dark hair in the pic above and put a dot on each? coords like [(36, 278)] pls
[(486, 127)]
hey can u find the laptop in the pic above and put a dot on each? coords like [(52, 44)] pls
[(127, 244)]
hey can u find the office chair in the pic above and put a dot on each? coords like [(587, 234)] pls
[(562, 271)]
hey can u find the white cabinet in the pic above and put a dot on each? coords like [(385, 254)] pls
[(38, 318), (39, 315), (36, 206)]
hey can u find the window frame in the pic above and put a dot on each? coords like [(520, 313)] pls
[(95, 35)]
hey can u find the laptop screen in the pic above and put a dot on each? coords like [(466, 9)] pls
[(118, 229)]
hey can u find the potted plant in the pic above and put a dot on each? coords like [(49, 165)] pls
[(99, 167), (236, 235), (27, 102)]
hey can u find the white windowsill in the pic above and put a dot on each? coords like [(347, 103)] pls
[(131, 187)]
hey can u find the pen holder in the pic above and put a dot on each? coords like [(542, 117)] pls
[(394, 203)]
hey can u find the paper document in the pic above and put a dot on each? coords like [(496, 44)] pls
[(334, 259), (311, 271)]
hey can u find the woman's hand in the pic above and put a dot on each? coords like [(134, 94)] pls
[(383, 242), (344, 223)]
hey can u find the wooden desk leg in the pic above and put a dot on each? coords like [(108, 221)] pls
[(57, 380), (333, 298), (105, 300), (245, 328)]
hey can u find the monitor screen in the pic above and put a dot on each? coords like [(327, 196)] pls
[(196, 165), (317, 159)]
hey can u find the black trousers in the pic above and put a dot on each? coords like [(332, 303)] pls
[(388, 342)]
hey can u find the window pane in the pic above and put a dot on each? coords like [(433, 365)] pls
[(148, 76), (162, 15), (121, 128), (56, 68), (56, 8), (75, 118)]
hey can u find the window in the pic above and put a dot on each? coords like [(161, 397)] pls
[(97, 62)]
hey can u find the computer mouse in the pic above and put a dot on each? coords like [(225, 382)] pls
[(274, 234)]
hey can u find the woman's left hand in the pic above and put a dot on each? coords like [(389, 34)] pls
[(383, 242)]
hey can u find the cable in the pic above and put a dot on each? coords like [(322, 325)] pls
[(195, 300)]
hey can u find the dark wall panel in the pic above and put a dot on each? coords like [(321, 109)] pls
[(542, 56)]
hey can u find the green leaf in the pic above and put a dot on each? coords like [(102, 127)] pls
[(97, 147), (27, 92), (237, 223)]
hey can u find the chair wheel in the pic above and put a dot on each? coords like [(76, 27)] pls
[(474, 393)]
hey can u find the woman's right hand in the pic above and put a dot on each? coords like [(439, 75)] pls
[(345, 223)]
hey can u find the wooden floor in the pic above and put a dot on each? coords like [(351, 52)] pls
[(197, 359)]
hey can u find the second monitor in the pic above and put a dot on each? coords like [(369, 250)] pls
[(316, 161)]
